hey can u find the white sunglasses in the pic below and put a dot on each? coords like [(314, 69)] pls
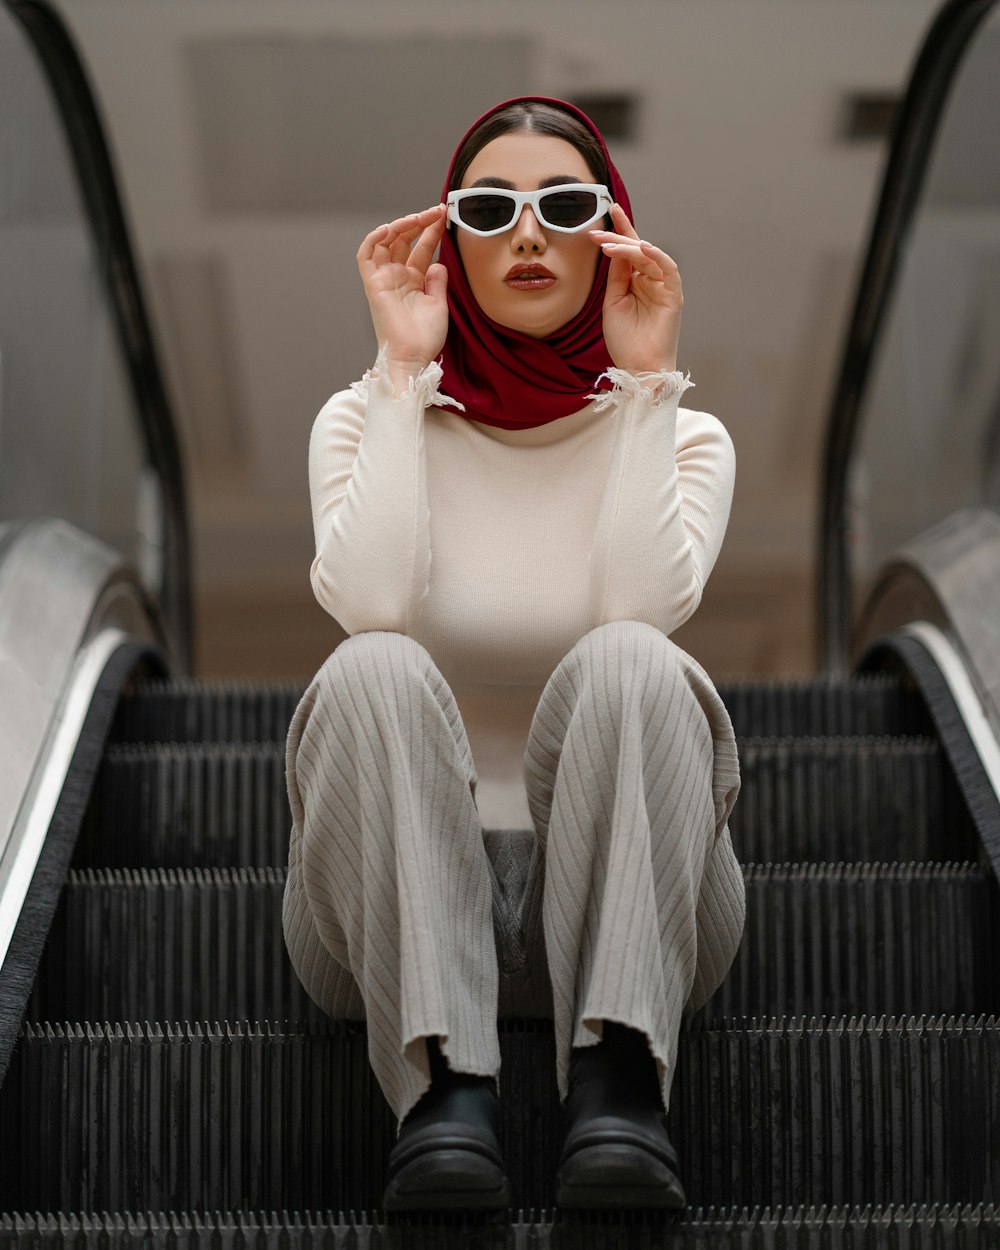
[(568, 207)]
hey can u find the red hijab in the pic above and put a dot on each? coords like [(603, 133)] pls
[(504, 377)]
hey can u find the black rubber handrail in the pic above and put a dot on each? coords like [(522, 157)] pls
[(111, 237), (914, 128)]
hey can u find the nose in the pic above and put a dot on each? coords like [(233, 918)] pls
[(526, 234)]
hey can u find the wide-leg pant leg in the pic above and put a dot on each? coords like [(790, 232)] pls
[(632, 772), (389, 880)]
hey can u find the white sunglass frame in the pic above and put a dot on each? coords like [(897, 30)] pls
[(533, 198)]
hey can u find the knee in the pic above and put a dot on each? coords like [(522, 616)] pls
[(378, 651), (630, 649), (635, 664)]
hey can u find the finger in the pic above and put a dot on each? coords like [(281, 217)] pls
[(620, 218), (423, 250), (666, 263), (609, 236), (404, 231), (636, 257), (619, 279), (436, 283), (370, 242), (410, 226)]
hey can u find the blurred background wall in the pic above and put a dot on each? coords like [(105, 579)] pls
[(257, 141)]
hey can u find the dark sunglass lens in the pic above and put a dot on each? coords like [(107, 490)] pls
[(486, 212), (569, 208)]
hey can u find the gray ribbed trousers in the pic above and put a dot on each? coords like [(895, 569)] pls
[(628, 904)]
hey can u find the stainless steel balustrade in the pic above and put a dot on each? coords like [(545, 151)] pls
[(67, 603)]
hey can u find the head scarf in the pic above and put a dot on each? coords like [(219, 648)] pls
[(502, 376)]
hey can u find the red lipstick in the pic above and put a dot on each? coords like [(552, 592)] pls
[(529, 277)]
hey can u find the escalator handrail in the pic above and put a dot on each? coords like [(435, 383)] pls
[(69, 604), (913, 132), (92, 160)]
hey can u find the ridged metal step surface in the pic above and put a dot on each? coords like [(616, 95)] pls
[(847, 799), (207, 944), (793, 1228), (190, 710), (842, 939), (185, 710), (872, 705), (237, 1117), (785, 1092), (190, 805), (822, 799)]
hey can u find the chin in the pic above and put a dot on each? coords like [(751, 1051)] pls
[(534, 329)]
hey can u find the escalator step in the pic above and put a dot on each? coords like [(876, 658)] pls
[(217, 805), (832, 939), (169, 944), (245, 1116), (188, 710), (210, 805), (832, 1228), (871, 705), (193, 710), (207, 944), (848, 799)]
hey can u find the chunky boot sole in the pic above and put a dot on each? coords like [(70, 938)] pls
[(617, 1175), (448, 1180)]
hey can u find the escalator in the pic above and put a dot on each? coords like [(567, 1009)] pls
[(167, 1082)]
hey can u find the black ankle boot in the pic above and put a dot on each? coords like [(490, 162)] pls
[(447, 1155), (616, 1152)]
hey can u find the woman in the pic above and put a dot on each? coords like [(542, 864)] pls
[(509, 554)]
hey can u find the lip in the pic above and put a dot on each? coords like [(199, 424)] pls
[(516, 271), (525, 277)]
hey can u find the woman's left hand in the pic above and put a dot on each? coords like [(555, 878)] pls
[(642, 306)]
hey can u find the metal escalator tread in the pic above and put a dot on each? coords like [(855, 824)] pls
[(186, 710), (834, 799), (187, 805), (848, 799), (854, 938), (251, 1116), (789, 1129), (175, 944), (190, 710), (873, 705), (942, 1227)]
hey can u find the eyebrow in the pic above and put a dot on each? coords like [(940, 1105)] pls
[(554, 181)]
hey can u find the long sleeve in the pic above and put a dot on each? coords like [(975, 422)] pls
[(666, 504), (368, 488)]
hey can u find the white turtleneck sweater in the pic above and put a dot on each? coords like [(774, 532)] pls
[(497, 550)]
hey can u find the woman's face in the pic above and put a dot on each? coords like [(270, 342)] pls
[(526, 161)]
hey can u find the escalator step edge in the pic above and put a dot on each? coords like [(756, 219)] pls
[(176, 944), (834, 1228), (239, 1116), (190, 710), (219, 805)]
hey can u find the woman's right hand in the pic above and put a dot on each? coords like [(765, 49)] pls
[(406, 293)]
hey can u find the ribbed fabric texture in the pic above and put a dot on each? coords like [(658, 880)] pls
[(497, 550), (633, 904)]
